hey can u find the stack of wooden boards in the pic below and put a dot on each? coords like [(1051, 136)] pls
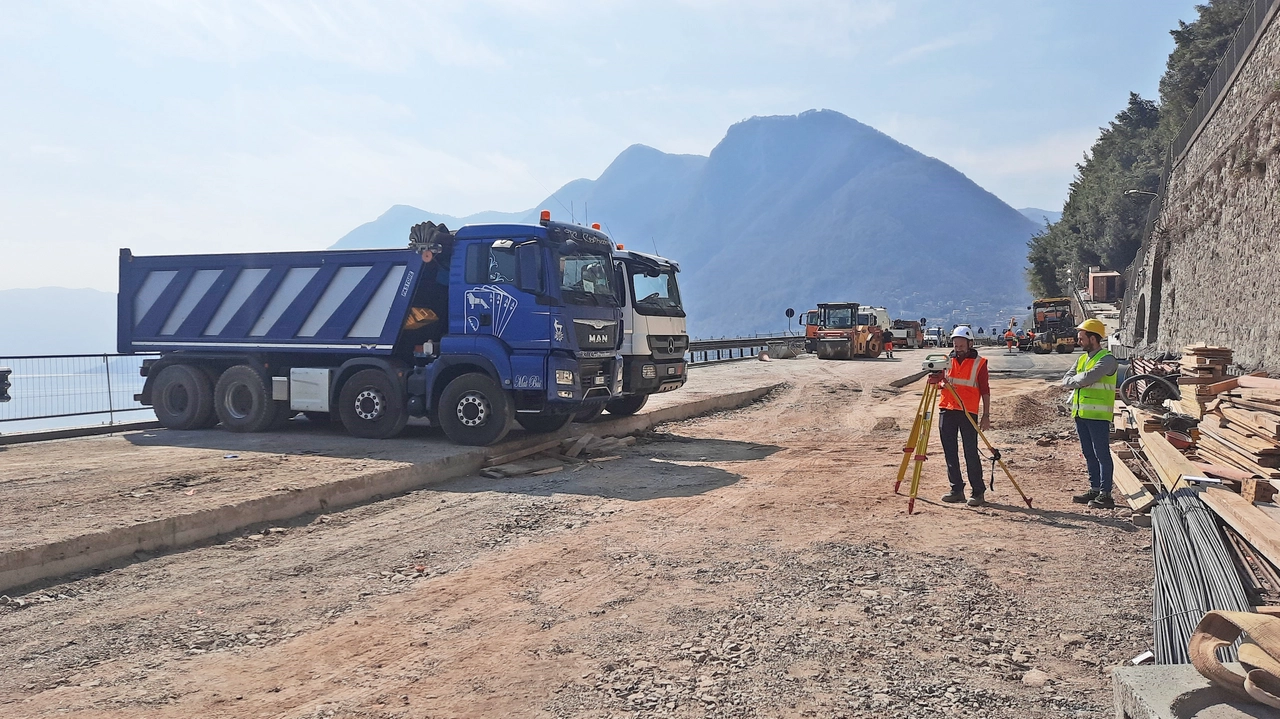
[(1241, 426), (1238, 512), (554, 455), (1200, 367)]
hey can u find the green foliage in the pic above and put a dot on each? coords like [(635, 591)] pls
[(1100, 225)]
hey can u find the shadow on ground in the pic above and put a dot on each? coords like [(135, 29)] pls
[(650, 470)]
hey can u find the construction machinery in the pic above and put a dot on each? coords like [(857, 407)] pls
[(907, 334), (1054, 325), (844, 333), (810, 321)]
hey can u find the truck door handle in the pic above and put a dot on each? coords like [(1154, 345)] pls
[(486, 320)]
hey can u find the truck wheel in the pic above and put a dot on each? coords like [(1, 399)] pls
[(243, 401), (589, 413), (543, 423), (1065, 349), (627, 405), (474, 410), (371, 406), (183, 397)]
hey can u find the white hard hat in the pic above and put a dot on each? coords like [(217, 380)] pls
[(964, 332)]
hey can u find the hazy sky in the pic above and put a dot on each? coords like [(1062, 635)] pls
[(175, 126)]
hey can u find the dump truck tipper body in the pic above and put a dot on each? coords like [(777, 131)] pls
[(499, 322)]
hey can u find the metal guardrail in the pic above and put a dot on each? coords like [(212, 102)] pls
[(703, 352), (1241, 46), (56, 391)]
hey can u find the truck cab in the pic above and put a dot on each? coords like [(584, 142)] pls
[(654, 339), (469, 329)]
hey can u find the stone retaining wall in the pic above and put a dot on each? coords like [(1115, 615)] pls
[(1211, 270)]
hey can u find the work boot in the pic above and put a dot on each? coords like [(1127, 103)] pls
[(1085, 498), (1102, 501), (953, 497), (977, 500)]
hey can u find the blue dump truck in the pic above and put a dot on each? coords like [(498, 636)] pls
[(469, 329)]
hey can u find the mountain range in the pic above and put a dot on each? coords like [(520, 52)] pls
[(788, 211), (785, 212)]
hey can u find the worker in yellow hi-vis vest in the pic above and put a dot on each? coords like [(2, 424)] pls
[(1093, 397)]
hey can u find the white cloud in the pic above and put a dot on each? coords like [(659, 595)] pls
[(380, 36)]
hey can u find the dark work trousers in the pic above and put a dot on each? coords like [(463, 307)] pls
[(952, 424), (1095, 442)]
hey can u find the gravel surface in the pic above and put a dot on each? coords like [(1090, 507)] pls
[(752, 563)]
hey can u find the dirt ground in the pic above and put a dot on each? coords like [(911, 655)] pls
[(753, 563)]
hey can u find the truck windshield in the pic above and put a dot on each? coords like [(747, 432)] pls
[(840, 319), (658, 295), (585, 279)]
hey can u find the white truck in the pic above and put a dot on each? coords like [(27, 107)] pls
[(654, 338)]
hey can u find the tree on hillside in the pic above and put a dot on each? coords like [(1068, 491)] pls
[(1099, 224), (1198, 47)]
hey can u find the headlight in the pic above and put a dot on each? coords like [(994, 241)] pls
[(564, 376), (565, 394), (617, 372), (649, 372)]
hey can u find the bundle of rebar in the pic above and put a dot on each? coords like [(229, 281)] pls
[(1194, 574)]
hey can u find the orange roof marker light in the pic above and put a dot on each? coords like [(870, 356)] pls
[(546, 217), (621, 246), (595, 225)]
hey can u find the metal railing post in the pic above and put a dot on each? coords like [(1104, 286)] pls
[(111, 405)]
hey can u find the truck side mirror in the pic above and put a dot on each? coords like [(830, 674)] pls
[(529, 268)]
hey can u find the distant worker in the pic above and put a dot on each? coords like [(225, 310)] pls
[(967, 375), (1093, 381), (888, 344), (1009, 340)]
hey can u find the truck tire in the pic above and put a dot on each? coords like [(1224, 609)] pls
[(243, 401), (588, 413), (474, 410), (371, 406), (627, 405), (1065, 349), (543, 423), (183, 397)]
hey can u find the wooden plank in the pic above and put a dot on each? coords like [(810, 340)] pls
[(513, 456), (1130, 487), (1168, 462), (1253, 381), (1232, 456), (1257, 490), (579, 445), (1222, 472), (1249, 522), (1265, 422), (1223, 386)]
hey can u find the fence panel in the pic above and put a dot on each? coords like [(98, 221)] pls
[(55, 391)]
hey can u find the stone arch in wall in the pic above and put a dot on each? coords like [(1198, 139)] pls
[(1157, 287)]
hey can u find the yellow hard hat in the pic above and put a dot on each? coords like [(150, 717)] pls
[(1094, 326)]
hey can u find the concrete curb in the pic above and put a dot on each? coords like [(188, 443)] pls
[(45, 435), (27, 565)]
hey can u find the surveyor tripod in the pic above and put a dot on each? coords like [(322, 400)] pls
[(917, 448)]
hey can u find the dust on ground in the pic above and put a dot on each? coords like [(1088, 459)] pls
[(752, 563)]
